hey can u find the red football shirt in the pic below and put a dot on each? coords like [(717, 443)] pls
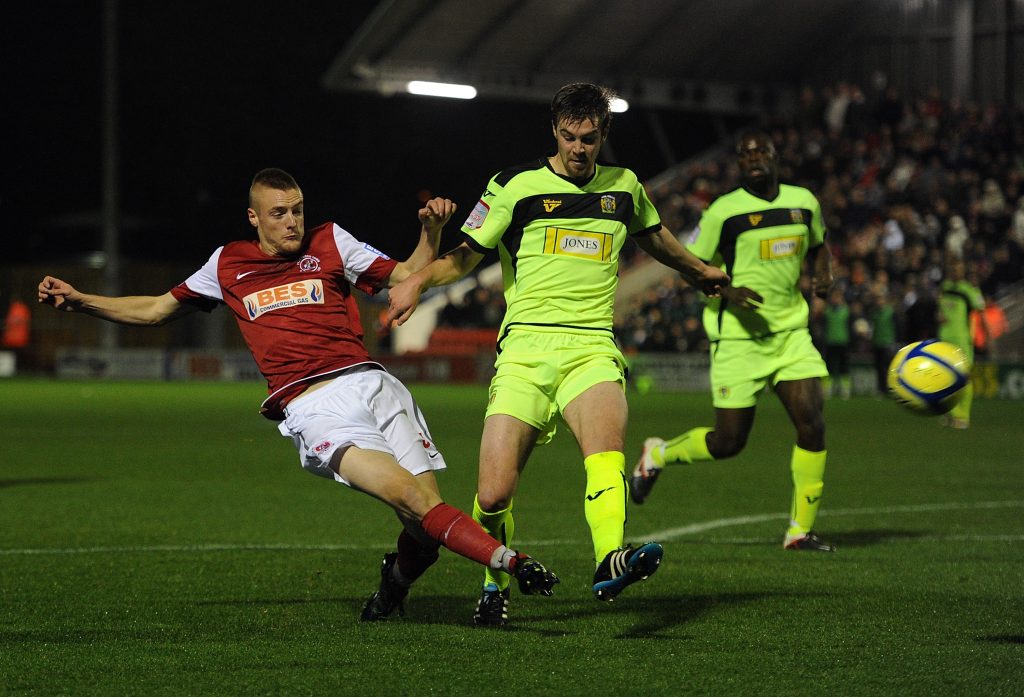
[(296, 314)]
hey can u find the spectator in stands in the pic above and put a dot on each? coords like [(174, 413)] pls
[(882, 317), (929, 172), (1017, 228), (987, 326), (837, 344), (17, 330)]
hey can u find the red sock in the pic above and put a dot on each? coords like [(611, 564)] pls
[(460, 533), (413, 557)]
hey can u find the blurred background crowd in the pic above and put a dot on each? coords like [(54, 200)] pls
[(904, 185)]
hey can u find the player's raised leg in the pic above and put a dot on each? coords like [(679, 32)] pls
[(378, 474), (688, 447), (597, 417), (700, 444)]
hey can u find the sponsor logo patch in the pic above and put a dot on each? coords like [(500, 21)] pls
[(578, 243), (322, 447), (781, 247), (478, 215), (371, 248), (551, 204), (309, 292)]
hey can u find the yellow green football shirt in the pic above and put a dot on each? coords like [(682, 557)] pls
[(558, 240), (956, 301), (762, 245)]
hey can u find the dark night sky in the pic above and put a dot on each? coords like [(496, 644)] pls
[(212, 92)]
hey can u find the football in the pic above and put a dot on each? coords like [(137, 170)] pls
[(928, 377)]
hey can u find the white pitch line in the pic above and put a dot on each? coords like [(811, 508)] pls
[(695, 528), (660, 535), (180, 548)]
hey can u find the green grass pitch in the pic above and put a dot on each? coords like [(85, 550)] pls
[(161, 539)]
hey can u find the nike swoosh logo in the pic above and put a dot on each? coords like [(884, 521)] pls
[(593, 497), (243, 274), (433, 455)]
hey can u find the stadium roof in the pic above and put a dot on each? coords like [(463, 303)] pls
[(727, 55)]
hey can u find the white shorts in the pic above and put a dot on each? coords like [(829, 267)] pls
[(365, 407)]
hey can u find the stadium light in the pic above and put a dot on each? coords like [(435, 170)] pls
[(441, 89), (619, 105)]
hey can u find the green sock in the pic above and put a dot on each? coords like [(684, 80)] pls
[(691, 446), (605, 504), (500, 525), (808, 469)]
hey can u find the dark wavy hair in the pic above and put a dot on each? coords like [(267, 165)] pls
[(580, 101)]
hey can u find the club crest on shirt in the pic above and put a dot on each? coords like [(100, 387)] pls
[(309, 263), (309, 292), (755, 219), (608, 204), (796, 215)]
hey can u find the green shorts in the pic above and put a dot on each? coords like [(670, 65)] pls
[(742, 368), (540, 371)]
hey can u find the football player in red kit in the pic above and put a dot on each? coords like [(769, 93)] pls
[(291, 293)]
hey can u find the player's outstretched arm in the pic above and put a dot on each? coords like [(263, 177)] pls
[(130, 309), (821, 270), (448, 268), (433, 217), (663, 246)]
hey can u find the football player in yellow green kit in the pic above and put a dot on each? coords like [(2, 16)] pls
[(957, 298), (558, 223), (760, 234)]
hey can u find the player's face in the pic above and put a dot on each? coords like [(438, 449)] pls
[(278, 218), (757, 161), (578, 146)]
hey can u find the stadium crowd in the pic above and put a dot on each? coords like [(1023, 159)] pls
[(904, 184)]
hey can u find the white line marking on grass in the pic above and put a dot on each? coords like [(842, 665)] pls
[(661, 535), (181, 548), (696, 528)]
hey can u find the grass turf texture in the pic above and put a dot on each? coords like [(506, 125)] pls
[(162, 539)]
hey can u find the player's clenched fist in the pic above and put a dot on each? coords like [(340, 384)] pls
[(436, 212), (58, 293)]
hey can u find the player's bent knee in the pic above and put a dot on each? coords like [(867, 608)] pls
[(721, 448), (490, 503)]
